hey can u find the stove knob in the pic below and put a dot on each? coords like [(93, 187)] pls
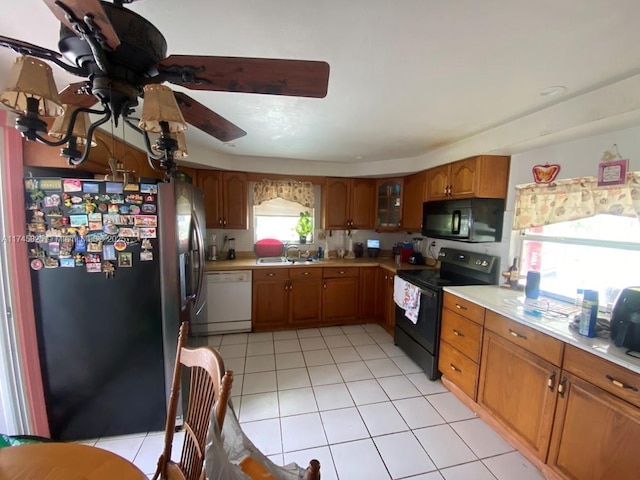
[(485, 263), (477, 262)]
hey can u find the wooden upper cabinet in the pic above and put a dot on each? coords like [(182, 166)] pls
[(225, 197), (348, 203), (485, 176), (413, 196), (388, 204)]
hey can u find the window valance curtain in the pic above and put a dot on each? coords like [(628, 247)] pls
[(574, 198), (299, 192)]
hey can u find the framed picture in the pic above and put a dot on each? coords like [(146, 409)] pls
[(124, 259), (613, 172)]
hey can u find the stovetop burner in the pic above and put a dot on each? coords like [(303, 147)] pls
[(458, 267)]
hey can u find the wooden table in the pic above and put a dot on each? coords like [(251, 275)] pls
[(64, 461)]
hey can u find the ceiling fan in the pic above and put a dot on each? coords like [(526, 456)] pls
[(119, 53)]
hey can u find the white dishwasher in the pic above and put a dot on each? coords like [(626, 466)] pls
[(228, 303)]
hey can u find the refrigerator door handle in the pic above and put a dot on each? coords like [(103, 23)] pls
[(201, 262)]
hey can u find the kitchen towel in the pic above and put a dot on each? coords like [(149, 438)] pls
[(407, 296)]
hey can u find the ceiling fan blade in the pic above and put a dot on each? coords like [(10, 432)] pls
[(207, 120), (74, 94), (82, 8), (296, 78), (25, 48)]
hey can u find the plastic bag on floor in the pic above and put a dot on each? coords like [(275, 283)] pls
[(223, 453)]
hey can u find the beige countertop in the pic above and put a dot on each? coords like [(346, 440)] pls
[(511, 304), (251, 264)]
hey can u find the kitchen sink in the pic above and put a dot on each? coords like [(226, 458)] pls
[(283, 261)]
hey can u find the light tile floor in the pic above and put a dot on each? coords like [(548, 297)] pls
[(352, 399)]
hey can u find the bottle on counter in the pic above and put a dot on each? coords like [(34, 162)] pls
[(589, 314), (514, 274)]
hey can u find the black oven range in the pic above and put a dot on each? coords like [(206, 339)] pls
[(420, 340)]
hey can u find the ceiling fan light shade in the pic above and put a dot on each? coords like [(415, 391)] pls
[(159, 107), (31, 78), (180, 152), (61, 125)]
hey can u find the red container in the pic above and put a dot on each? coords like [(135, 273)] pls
[(405, 253)]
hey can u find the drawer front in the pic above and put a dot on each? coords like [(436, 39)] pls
[(467, 309), (544, 346), (613, 378), (302, 272), (462, 334), (270, 274), (339, 272), (459, 369)]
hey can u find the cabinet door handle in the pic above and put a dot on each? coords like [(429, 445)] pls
[(460, 307), (305, 273), (457, 333), (224, 222), (561, 386), (551, 381), (517, 335), (220, 221), (325, 286), (342, 272), (454, 368), (290, 286), (620, 384), (271, 274)]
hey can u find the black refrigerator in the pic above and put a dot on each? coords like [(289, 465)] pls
[(115, 269)]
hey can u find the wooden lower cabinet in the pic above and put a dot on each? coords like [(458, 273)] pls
[(305, 297), (368, 293), (518, 388), (340, 300), (596, 435), (385, 304), (270, 299)]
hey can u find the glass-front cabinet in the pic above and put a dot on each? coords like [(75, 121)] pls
[(389, 204)]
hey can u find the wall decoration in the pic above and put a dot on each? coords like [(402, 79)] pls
[(545, 173), (613, 172)]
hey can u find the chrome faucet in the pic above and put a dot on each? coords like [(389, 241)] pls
[(292, 247)]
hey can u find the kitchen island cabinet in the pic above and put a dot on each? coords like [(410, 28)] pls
[(485, 176), (348, 203)]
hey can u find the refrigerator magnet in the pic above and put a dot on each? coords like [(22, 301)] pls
[(132, 187), (146, 220), (124, 259), (89, 187), (108, 269), (95, 217), (128, 232), (146, 255), (95, 247), (50, 262), (120, 245), (134, 209), (79, 259), (37, 264), (147, 232), (113, 187), (148, 208), (146, 244), (109, 252), (135, 198), (54, 249), (78, 220), (67, 263), (148, 188), (95, 226), (71, 185), (81, 244), (93, 267)]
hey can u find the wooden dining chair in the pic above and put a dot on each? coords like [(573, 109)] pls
[(209, 388), (209, 385)]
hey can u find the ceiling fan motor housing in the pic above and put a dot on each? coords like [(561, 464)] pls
[(141, 47)]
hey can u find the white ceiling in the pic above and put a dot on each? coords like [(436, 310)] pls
[(408, 77)]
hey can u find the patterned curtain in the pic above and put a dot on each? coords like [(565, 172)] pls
[(574, 198), (299, 192)]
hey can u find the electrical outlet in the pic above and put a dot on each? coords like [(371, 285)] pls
[(433, 244)]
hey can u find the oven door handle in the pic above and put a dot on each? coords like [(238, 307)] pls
[(456, 219)]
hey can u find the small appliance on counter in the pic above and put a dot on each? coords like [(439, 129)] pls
[(212, 248), (416, 257), (625, 319), (373, 248), (358, 249), (231, 255)]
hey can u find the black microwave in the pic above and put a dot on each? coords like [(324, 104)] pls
[(469, 220)]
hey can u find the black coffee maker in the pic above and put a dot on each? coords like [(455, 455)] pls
[(625, 319)]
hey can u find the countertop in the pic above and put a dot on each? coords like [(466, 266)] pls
[(510, 303), (250, 264)]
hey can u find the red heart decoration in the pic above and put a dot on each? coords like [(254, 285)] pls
[(545, 173)]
